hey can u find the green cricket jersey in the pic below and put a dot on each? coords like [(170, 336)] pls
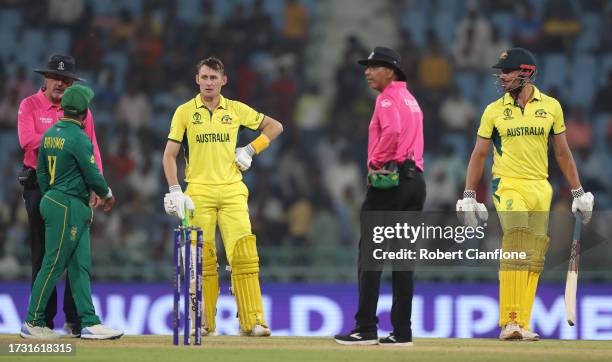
[(66, 162)]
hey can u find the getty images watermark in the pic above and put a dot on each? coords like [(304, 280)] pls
[(430, 240), (405, 232)]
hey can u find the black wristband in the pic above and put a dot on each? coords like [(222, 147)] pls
[(578, 192), (469, 194)]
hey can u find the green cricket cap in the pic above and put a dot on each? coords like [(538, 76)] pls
[(76, 99)]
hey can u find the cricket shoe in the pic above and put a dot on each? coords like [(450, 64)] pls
[(72, 330), (259, 330), (100, 331), (511, 332), (357, 338), (529, 335), (29, 331), (392, 341), (205, 333)]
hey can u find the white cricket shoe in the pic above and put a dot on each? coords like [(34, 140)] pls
[(29, 331), (511, 332), (258, 330), (100, 331), (529, 335)]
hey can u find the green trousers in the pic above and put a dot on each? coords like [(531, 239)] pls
[(67, 247)]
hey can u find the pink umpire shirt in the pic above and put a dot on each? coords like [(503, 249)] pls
[(36, 114), (396, 128)]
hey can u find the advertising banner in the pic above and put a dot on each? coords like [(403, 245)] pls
[(439, 309)]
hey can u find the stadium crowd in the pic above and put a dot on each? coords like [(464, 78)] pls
[(140, 58)]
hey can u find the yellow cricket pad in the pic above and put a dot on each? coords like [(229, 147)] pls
[(539, 248), (210, 285), (518, 239), (245, 283), (513, 276), (529, 297), (512, 285)]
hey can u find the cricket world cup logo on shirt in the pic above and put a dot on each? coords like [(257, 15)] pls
[(197, 118)]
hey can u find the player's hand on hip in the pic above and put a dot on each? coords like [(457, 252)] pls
[(244, 157), (470, 212), (583, 203)]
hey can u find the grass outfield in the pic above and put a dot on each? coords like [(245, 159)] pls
[(310, 349)]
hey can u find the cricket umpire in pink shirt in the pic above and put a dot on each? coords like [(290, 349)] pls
[(395, 183), (36, 114)]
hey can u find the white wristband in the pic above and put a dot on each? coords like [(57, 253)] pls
[(175, 188), (109, 194)]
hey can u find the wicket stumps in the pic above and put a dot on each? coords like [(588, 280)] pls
[(183, 238)]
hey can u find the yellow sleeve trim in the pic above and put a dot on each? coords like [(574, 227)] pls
[(260, 143)]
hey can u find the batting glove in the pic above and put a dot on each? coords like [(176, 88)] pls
[(176, 202), (583, 203), (469, 211), (244, 157)]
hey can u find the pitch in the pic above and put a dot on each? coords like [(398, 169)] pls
[(226, 348)]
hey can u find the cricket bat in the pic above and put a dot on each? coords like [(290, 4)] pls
[(571, 283)]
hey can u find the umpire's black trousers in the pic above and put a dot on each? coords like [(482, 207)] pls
[(408, 196), (32, 197)]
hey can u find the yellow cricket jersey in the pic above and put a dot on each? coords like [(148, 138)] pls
[(209, 138), (520, 137)]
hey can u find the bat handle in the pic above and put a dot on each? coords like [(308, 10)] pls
[(577, 226)]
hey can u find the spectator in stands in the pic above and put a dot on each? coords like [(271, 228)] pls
[(456, 112), (561, 27), (21, 83), (134, 107), (65, 12), (435, 69), (296, 25), (467, 52), (473, 36), (121, 33), (606, 29), (603, 97), (342, 175), (281, 93), (579, 130), (491, 53), (309, 116), (8, 110), (410, 57), (526, 27)]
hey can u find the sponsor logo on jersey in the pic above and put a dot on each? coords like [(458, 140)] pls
[(227, 119), (540, 113)]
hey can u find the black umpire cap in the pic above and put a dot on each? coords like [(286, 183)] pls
[(386, 57), (63, 65), (516, 58)]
